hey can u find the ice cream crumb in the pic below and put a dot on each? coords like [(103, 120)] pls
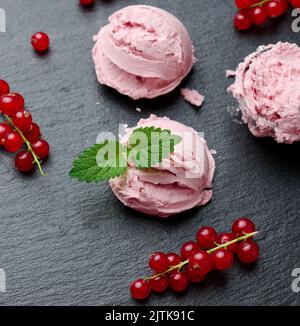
[(192, 96), (235, 114), (230, 73), (138, 110), (213, 151)]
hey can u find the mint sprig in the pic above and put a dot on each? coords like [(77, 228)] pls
[(146, 148)]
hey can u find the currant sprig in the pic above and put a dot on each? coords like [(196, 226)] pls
[(257, 12), (36, 159), (196, 259), (218, 246), (19, 129)]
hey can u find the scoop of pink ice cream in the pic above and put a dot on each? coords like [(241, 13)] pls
[(267, 87), (143, 52), (181, 182)]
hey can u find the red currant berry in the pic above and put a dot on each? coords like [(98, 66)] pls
[(40, 41), (173, 259), (258, 16), (33, 133), (86, 2), (40, 148), (295, 3), (24, 161), (206, 237), (178, 281), (140, 289), (4, 130), (22, 120), (222, 259), (159, 283), (285, 4), (188, 249), (194, 276), (226, 237), (19, 100), (201, 262), (158, 261), (242, 21), (12, 142), (4, 87), (242, 226), (275, 8), (248, 251), (243, 4), (10, 104)]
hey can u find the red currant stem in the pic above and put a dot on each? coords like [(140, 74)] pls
[(28, 144), (259, 4), (170, 269), (226, 244), (185, 262)]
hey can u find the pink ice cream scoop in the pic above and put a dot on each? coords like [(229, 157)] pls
[(267, 87), (181, 182), (143, 52)]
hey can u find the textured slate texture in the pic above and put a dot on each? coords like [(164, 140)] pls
[(66, 243)]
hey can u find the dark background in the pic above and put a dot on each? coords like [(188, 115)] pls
[(67, 243)]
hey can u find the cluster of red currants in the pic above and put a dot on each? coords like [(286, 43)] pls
[(196, 259), (19, 129), (257, 12)]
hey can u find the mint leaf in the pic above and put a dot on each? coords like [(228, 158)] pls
[(100, 162), (148, 146)]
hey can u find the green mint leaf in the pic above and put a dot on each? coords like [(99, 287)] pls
[(148, 146), (100, 162)]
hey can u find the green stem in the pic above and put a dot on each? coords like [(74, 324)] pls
[(185, 262), (225, 245), (26, 141), (259, 4)]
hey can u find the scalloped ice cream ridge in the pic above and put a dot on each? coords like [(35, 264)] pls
[(267, 87), (169, 188), (143, 52)]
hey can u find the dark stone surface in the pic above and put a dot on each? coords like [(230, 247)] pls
[(66, 243)]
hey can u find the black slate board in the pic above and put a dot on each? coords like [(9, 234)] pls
[(66, 243)]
